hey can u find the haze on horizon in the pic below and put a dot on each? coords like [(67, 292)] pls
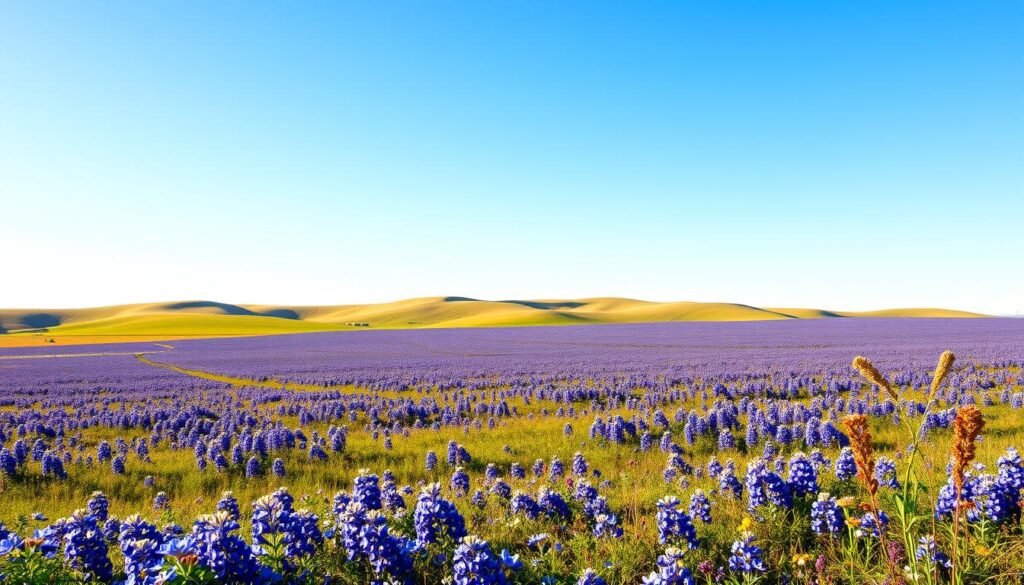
[(846, 157)]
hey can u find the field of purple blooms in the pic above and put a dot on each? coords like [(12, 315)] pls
[(664, 453)]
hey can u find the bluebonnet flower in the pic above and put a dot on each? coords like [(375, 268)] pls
[(431, 461), (522, 503), (220, 462), (252, 468), (9, 542), (317, 453), (766, 487), (366, 490), (669, 474), (53, 465), (811, 436), (784, 435), (223, 552), (435, 515), (391, 500), (516, 471), (475, 564), (8, 462), (1011, 471), (84, 546), (590, 577), (714, 468), (803, 479), (671, 569), (579, 464), (237, 455), (510, 561), (946, 502), (553, 504), (143, 451), (161, 502), (826, 515), (646, 440), (111, 529), (846, 466), (674, 523), (751, 437), (870, 527), (690, 429), (479, 499), (928, 551), (666, 441), (277, 467), (819, 460), (677, 462), (728, 483), (460, 482), (143, 560), (228, 503), (501, 489), (39, 449), (275, 521), (103, 452), (140, 545), (746, 556), (885, 473), (598, 429), (557, 469), (99, 506), (606, 524), (993, 500), (725, 440), (538, 468), (338, 439), (700, 507)]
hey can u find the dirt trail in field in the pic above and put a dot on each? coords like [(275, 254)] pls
[(237, 381)]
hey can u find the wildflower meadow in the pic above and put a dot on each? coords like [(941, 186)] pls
[(827, 452)]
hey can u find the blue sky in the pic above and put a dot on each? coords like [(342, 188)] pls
[(837, 155)]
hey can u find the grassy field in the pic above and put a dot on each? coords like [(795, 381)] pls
[(635, 477)]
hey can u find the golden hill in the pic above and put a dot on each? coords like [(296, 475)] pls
[(208, 318)]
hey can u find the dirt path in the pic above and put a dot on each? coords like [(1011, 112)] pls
[(238, 381)]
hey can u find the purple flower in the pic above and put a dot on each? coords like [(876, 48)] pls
[(746, 557), (435, 516), (674, 525), (475, 564)]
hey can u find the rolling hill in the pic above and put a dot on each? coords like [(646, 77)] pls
[(208, 318)]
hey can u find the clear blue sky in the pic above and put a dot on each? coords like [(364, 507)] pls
[(849, 156)]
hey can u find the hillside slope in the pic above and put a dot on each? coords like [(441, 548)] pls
[(213, 318)]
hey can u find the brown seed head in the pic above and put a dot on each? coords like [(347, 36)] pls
[(871, 374), (966, 427), (863, 453), (941, 371)]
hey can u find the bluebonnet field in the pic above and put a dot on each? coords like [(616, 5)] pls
[(655, 453)]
